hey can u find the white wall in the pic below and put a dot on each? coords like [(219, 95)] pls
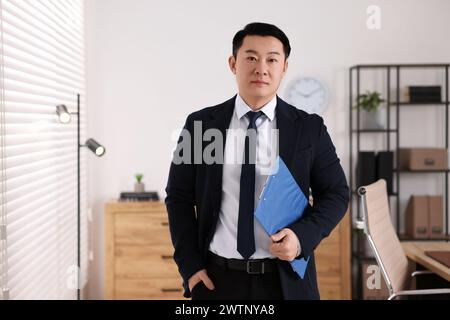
[(151, 62)]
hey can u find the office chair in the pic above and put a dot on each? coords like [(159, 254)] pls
[(385, 243)]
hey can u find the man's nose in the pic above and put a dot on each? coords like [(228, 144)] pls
[(261, 68)]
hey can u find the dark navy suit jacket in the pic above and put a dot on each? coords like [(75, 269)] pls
[(194, 193)]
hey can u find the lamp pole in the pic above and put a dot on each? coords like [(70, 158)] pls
[(79, 202), (98, 150)]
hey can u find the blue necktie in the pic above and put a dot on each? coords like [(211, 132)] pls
[(245, 232)]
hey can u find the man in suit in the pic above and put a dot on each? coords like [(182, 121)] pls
[(221, 251)]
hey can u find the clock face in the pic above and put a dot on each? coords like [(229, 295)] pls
[(308, 94)]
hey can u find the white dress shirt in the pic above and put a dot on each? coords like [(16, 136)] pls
[(224, 242)]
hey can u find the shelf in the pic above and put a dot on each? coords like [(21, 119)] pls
[(418, 103), (394, 194), (404, 103), (422, 171), (400, 65), (374, 130), (391, 131), (404, 237)]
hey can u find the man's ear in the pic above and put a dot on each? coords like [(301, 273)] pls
[(232, 64), (286, 64)]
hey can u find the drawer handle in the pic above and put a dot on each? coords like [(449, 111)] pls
[(436, 230), (165, 257), (171, 290), (421, 230), (165, 224)]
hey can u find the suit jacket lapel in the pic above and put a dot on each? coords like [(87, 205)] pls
[(220, 119), (290, 127)]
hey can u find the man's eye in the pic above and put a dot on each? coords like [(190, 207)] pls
[(251, 58), (273, 60)]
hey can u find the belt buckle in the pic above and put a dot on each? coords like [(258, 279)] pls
[(250, 269)]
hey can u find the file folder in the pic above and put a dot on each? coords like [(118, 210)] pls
[(280, 204)]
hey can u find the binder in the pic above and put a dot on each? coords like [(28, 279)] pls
[(365, 168), (280, 204), (385, 168)]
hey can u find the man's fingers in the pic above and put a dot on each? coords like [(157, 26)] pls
[(273, 250), (193, 283), (278, 246), (279, 235), (283, 249), (207, 281), (277, 249), (196, 278)]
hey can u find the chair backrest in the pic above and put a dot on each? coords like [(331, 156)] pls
[(382, 236)]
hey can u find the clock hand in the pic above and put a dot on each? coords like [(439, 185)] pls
[(312, 92), (301, 93)]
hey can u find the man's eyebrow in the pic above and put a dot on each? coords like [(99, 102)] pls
[(256, 52)]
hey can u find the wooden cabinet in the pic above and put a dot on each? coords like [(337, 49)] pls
[(139, 253), (333, 263)]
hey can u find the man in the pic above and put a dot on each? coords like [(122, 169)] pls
[(220, 248)]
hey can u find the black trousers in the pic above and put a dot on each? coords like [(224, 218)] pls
[(238, 285)]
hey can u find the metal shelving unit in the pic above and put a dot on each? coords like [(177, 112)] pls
[(392, 136)]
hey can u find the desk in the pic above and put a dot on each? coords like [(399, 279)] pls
[(415, 251)]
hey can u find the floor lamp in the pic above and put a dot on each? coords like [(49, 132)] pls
[(64, 116)]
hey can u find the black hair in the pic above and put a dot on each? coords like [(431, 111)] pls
[(261, 29)]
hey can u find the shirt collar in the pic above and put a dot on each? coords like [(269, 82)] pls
[(241, 108)]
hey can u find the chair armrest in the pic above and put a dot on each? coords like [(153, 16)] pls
[(419, 292), (421, 272)]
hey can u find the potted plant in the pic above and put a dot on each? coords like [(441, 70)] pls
[(139, 185), (371, 103)]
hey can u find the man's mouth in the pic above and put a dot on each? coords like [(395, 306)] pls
[(260, 82)]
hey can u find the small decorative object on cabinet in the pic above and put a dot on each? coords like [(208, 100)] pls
[(139, 186), (429, 163), (139, 253)]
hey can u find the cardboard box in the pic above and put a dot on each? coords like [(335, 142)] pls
[(417, 218), (436, 216), (373, 285), (424, 217), (423, 158)]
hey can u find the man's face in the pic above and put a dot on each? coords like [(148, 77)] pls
[(259, 66)]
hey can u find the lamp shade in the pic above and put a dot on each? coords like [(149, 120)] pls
[(95, 147), (63, 114)]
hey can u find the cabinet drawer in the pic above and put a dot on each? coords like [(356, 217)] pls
[(136, 229), (329, 286), (328, 257), (149, 289), (164, 252), (136, 262)]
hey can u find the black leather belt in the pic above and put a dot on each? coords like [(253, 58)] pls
[(251, 266)]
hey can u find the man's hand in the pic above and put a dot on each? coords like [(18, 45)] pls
[(200, 276), (286, 245)]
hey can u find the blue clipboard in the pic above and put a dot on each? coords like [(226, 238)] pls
[(281, 203)]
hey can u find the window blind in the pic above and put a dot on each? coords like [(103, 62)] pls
[(43, 65), (4, 293)]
